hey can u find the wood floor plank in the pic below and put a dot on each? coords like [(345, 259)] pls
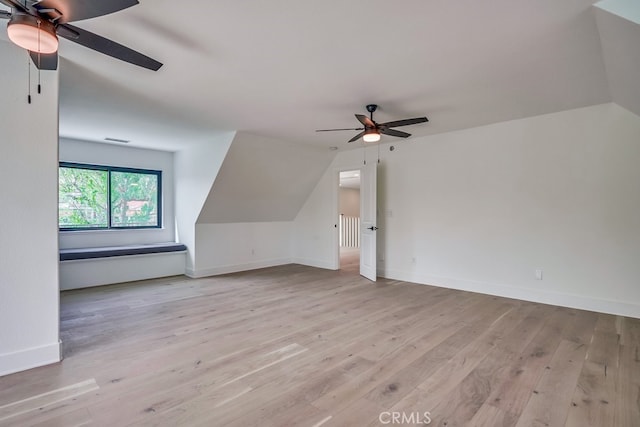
[(550, 400), (518, 325), (43, 401), (404, 381), (629, 330), (627, 402), (580, 325), (490, 416), (76, 418), (594, 398), (459, 405), (603, 349), (607, 323), (361, 413), (593, 402), (389, 358), (516, 384)]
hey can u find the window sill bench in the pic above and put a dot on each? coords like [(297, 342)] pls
[(87, 267), (115, 251)]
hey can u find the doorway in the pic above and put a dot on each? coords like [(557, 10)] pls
[(349, 220)]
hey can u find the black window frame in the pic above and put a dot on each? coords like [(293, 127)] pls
[(109, 169)]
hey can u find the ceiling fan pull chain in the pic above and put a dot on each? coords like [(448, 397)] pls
[(378, 153), (28, 78), (364, 153), (39, 53)]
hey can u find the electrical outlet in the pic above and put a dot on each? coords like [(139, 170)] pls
[(413, 260), (539, 274)]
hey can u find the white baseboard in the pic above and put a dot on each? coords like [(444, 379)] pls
[(30, 358), (328, 265), (534, 295), (226, 269)]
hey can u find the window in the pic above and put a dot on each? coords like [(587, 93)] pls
[(92, 197)]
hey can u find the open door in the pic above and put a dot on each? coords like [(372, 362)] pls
[(368, 220)]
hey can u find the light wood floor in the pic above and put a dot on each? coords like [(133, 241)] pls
[(295, 345), (350, 259)]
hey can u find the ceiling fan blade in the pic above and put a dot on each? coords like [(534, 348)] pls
[(45, 61), (357, 137), (106, 46), (393, 132), (77, 10), (366, 121), (405, 122), (332, 130)]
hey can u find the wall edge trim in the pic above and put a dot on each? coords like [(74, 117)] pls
[(235, 268), (526, 294), (30, 358)]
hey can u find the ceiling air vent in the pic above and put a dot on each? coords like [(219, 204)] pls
[(121, 141)]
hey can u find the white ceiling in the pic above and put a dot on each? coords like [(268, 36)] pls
[(350, 179), (620, 35), (259, 181), (285, 68)]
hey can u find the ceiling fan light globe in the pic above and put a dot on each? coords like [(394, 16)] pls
[(371, 136), (23, 30)]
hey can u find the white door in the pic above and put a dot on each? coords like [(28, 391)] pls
[(368, 209)]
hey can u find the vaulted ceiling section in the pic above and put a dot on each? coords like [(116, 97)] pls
[(284, 69)]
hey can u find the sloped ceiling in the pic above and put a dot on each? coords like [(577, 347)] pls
[(263, 180), (93, 107), (619, 26), (285, 68)]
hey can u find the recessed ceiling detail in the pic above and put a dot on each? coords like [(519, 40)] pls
[(122, 141)]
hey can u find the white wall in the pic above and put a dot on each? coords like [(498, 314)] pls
[(29, 297), (349, 199), (263, 179), (118, 155), (231, 247), (195, 169), (482, 209), (246, 221)]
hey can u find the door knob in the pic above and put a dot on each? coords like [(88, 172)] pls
[(372, 228)]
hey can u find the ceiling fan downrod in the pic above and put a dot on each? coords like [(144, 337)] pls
[(371, 108)]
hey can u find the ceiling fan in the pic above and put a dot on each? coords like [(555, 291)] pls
[(372, 130), (36, 24)]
